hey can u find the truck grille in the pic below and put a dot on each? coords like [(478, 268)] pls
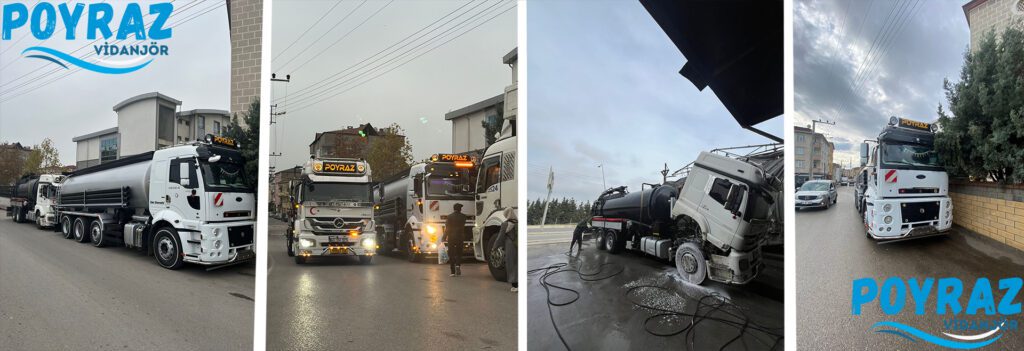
[(329, 225), (919, 211), (240, 235)]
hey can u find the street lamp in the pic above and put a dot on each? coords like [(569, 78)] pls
[(603, 183)]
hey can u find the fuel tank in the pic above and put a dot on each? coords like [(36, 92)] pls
[(647, 206)]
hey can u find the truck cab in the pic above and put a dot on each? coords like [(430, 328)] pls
[(333, 211), (44, 213), (496, 190), (903, 190), (33, 199), (413, 206)]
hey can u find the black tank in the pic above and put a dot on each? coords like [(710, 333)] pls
[(648, 206)]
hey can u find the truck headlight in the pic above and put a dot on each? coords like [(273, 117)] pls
[(887, 219), (216, 232), (431, 229), (369, 244), (887, 208), (216, 244), (306, 243)]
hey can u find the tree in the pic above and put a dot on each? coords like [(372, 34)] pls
[(44, 159), (982, 136), (12, 162), (390, 152), (492, 126), (248, 137)]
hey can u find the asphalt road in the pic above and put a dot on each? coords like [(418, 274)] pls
[(832, 251), (57, 294), (604, 318), (391, 304)]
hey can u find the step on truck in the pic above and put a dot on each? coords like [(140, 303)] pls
[(34, 198), (711, 223), (412, 206), (333, 211), (187, 203), (902, 191)]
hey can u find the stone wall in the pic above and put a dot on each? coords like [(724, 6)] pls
[(993, 15), (990, 209), (246, 20)]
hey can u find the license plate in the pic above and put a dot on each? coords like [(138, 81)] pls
[(337, 239)]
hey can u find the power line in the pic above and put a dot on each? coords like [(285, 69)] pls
[(343, 36), (306, 31), (406, 62), (322, 35)]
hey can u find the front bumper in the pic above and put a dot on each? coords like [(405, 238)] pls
[(737, 268), (220, 243), (802, 204), (899, 228), (308, 244)]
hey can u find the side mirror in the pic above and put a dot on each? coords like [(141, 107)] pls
[(864, 154), (183, 176), (417, 187), (734, 198)]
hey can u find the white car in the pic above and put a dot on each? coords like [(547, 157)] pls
[(816, 193)]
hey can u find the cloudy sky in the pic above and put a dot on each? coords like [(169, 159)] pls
[(833, 43), (327, 67), (605, 89), (36, 104)]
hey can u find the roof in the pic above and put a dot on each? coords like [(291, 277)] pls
[(146, 96), (970, 5), (511, 56), (475, 107), (204, 112), (94, 134), (370, 130), (801, 129), (734, 47)]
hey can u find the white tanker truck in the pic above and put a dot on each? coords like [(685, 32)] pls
[(184, 204), (33, 200), (333, 214)]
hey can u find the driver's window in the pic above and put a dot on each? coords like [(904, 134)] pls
[(490, 175), (183, 169)]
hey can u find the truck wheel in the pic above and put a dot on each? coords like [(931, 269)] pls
[(299, 259), (17, 215), (365, 259), (39, 221), (66, 227), (691, 264), (411, 254), (495, 257), (612, 243), (291, 250), (167, 249), (600, 239), (96, 234), (80, 230)]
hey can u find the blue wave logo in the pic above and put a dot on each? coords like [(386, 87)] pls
[(54, 55), (962, 342)]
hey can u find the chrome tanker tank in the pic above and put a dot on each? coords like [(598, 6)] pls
[(647, 206), (98, 183)]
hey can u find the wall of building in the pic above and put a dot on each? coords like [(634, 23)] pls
[(246, 17), (992, 210), (993, 15), (88, 153), (138, 126), (468, 131)]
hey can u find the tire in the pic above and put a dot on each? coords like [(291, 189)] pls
[(39, 221), (66, 227), (690, 263), (386, 245), (300, 259), (17, 215), (365, 259), (411, 254), (600, 239), (613, 243), (291, 250), (828, 204), (167, 248), (80, 231), (96, 234), (496, 260)]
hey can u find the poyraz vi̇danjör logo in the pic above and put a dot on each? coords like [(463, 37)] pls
[(129, 44), (979, 322)]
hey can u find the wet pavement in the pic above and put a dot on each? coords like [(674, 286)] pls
[(832, 251), (335, 303), (58, 294), (606, 315)]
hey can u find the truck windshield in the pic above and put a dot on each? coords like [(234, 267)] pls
[(814, 186), (448, 187), (909, 155), (354, 192), (224, 176)]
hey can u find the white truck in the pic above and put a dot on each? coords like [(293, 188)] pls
[(496, 189), (34, 198), (184, 204), (902, 192), (412, 206), (333, 211), (712, 223)]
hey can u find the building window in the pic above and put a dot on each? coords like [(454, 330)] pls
[(800, 164), (801, 138), (166, 125), (200, 125), (799, 151), (216, 127), (817, 163), (108, 149)]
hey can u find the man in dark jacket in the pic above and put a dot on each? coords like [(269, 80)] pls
[(453, 238)]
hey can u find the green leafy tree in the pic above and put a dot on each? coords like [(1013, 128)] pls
[(981, 137), (492, 126), (44, 159), (248, 135), (390, 152)]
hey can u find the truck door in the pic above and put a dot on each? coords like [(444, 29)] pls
[(184, 188), (719, 218), (488, 191)]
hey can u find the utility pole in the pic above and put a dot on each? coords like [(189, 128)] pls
[(273, 114), (814, 133), (603, 183), (664, 174), (551, 185)]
